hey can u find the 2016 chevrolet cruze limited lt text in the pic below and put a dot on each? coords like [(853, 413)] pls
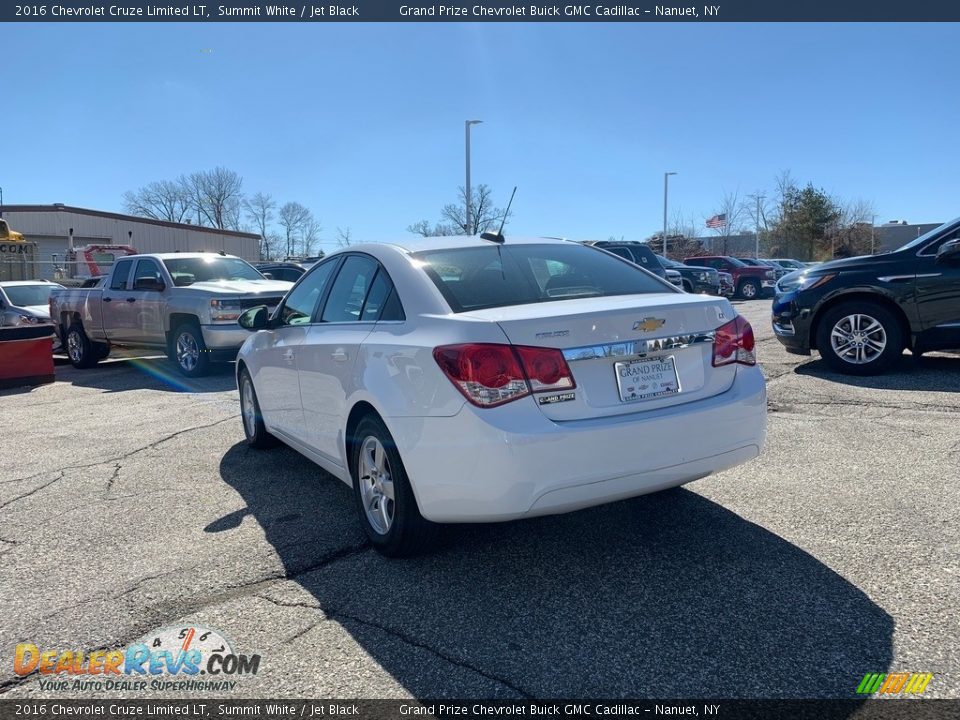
[(476, 379)]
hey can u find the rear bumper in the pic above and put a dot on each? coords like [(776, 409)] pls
[(512, 462)]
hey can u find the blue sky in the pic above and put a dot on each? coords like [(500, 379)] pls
[(363, 123)]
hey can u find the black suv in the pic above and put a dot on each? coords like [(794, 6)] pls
[(695, 279), (634, 251), (860, 313)]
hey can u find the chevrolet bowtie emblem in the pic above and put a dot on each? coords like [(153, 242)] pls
[(649, 324)]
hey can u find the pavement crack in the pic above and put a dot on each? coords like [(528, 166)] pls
[(113, 477), (413, 642), (35, 490)]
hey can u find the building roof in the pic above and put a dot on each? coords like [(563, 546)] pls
[(128, 218)]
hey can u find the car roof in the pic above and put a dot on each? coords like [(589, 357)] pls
[(415, 244), (15, 283), (182, 255)]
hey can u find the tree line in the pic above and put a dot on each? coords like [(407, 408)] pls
[(215, 198), (792, 220)]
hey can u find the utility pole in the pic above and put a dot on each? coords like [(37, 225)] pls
[(666, 179), (757, 234), (468, 225), (873, 228)]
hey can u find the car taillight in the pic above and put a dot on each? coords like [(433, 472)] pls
[(733, 343), (490, 374)]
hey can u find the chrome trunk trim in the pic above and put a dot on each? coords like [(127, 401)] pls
[(637, 348)]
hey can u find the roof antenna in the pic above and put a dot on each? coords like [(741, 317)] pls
[(497, 237)]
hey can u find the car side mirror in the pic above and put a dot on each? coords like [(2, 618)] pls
[(267, 275), (149, 284), (949, 251), (256, 318)]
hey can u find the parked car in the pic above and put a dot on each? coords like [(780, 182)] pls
[(778, 270), (789, 264), (634, 251), (861, 313), (727, 288), (750, 281), (695, 279), (288, 271), (185, 304), (673, 277), (25, 302), (534, 368)]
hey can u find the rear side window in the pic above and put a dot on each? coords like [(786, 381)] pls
[(349, 290), (120, 274), (498, 276)]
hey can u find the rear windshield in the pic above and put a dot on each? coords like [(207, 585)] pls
[(186, 271), (500, 275)]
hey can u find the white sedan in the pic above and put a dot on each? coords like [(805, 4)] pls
[(471, 380)]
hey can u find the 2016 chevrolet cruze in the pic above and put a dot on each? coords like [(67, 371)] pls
[(470, 380)]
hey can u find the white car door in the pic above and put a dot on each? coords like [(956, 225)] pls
[(328, 368), (277, 382)]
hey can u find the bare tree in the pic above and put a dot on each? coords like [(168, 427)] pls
[(259, 209), (292, 217), (160, 200), (309, 234), (484, 215), (215, 196), (344, 237), (732, 206)]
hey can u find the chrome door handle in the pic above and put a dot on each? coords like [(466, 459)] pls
[(339, 355), (288, 356)]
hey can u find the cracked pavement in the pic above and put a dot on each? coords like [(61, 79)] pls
[(128, 503)]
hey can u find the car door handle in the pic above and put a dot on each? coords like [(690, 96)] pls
[(288, 356), (131, 299), (108, 299), (339, 355)]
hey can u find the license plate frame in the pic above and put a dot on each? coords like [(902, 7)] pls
[(649, 385)]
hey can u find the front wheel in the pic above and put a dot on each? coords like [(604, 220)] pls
[(253, 427), (189, 350), (385, 500), (749, 289), (860, 338)]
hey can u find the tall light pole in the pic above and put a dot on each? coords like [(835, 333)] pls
[(467, 190), (666, 180), (757, 231), (873, 228)]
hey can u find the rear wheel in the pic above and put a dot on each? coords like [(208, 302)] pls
[(385, 500), (749, 289), (860, 338), (81, 350), (189, 350), (687, 286)]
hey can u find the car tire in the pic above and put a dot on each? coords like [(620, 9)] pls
[(81, 349), (687, 286), (103, 351), (749, 289), (875, 333), (188, 351), (250, 415), (394, 525)]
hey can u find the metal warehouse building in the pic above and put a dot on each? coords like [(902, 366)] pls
[(50, 227)]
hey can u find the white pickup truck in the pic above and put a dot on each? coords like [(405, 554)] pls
[(185, 304)]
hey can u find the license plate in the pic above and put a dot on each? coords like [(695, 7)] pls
[(646, 379)]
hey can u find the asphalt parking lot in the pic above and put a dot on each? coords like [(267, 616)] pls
[(128, 503)]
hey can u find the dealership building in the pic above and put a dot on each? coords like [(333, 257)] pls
[(53, 226)]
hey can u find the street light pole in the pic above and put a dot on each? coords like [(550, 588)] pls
[(873, 228), (666, 186), (757, 232), (467, 189)]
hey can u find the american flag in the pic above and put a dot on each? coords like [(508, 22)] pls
[(717, 221)]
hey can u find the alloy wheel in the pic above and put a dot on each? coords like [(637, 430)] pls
[(858, 339), (73, 346), (376, 485), (749, 291), (188, 354)]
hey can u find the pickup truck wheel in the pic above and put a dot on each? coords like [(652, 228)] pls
[(189, 350), (687, 286), (80, 349), (102, 350), (253, 427), (749, 289), (859, 338)]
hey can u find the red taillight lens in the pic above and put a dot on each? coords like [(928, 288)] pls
[(546, 368), (490, 374), (734, 343)]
